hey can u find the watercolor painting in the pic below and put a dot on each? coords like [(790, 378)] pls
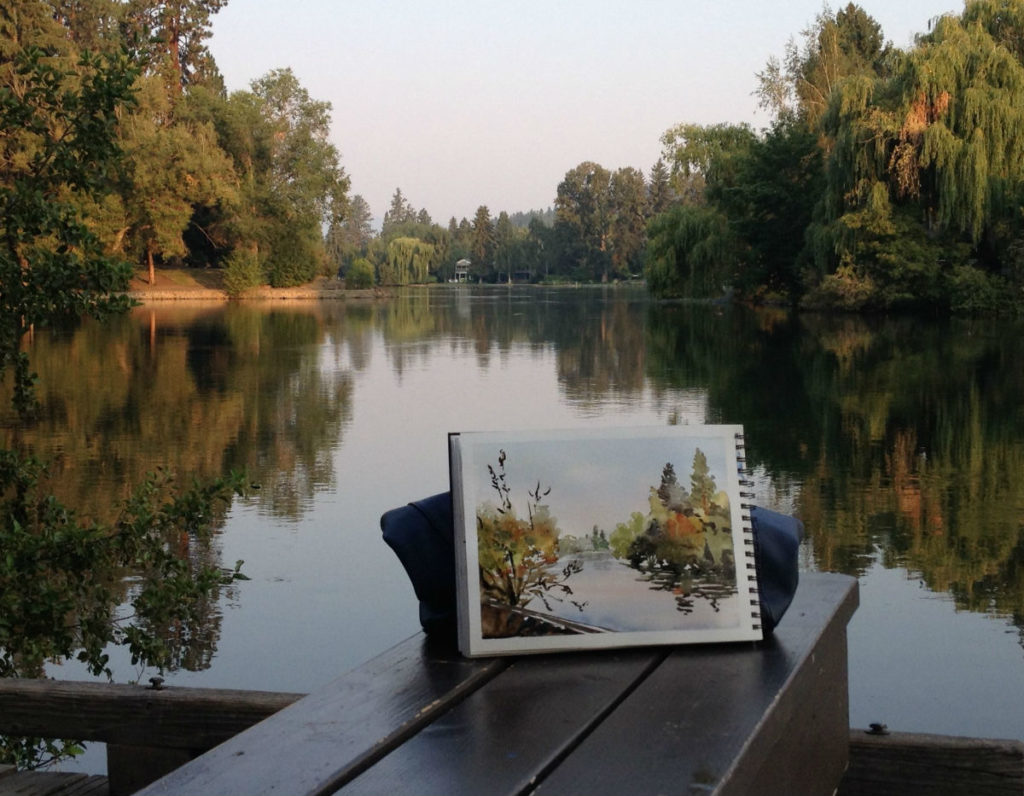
[(591, 535)]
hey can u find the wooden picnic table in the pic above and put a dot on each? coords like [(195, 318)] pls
[(748, 718)]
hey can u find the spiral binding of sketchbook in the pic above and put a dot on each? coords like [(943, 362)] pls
[(747, 529), (602, 537)]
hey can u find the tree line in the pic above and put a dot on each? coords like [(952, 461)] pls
[(887, 178), (595, 232)]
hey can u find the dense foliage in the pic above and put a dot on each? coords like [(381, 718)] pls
[(246, 181), (516, 555), (62, 574), (889, 179)]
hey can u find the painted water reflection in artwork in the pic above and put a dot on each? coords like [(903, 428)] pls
[(542, 572)]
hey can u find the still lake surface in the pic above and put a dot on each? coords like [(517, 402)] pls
[(899, 442)]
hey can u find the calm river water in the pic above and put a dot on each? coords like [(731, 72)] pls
[(899, 442)]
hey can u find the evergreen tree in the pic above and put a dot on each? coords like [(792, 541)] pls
[(349, 237), (94, 25), (671, 493), (399, 212), (659, 189), (175, 32), (482, 243), (506, 246)]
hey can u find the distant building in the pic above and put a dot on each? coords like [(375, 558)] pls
[(462, 270)]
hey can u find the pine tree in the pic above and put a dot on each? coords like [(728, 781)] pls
[(659, 189)]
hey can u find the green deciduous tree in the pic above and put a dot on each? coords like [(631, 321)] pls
[(407, 262), (174, 167), (627, 228), (923, 161), (692, 249), (291, 182), (360, 274), (698, 155), (834, 47), (582, 215), (60, 149)]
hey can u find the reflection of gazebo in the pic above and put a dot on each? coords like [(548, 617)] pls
[(462, 270)]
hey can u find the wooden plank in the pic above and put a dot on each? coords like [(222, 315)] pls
[(715, 719), (182, 718), (801, 744), (37, 783), (907, 764), (476, 718), (513, 729), (338, 731)]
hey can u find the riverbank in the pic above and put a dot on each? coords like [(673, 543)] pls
[(206, 284)]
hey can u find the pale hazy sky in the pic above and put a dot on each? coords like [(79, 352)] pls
[(463, 103)]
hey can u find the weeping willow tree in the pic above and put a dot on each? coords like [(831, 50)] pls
[(925, 171), (690, 252), (966, 117), (913, 162), (408, 261)]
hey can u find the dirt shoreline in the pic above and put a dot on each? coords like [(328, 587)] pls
[(205, 285)]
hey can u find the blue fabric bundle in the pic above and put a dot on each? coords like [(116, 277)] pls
[(422, 535)]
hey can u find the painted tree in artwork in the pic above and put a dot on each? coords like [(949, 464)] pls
[(671, 493), (702, 483), (684, 537), (516, 554)]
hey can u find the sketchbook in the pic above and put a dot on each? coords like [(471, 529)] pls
[(599, 538)]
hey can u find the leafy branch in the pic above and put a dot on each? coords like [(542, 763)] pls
[(516, 555)]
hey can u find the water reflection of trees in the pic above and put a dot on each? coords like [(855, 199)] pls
[(900, 439), (198, 391), (598, 343), (907, 436)]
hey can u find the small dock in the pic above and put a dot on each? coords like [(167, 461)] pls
[(731, 719)]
